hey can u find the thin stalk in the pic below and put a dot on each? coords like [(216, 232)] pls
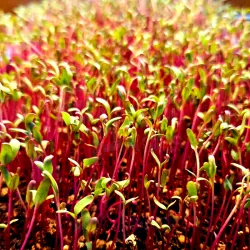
[(227, 221), (59, 223), (1, 113), (239, 153), (217, 146), (204, 143), (21, 200), (221, 208), (117, 163), (75, 236), (132, 162), (248, 224), (149, 205), (61, 106), (212, 215), (30, 228), (123, 224), (9, 217), (1, 182), (145, 160), (194, 226), (159, 183), (237, 227), (118, 226), (197, 164)]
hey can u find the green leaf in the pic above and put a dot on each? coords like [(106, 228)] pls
[(203, 76), (123, 184), (80, 205), (210, 113), (87, 162), (29, 197), (6, 175), (223, 126), (42, 192), (121, 196), (212, 166), (235, 155), (13, 221), (228, 184), (91, 84), (155, 224), (2, 225), (6, 155), (85, 218), (171, 204), (106, 106), (53, 182), (14, 182), (156, 158), (44, 144), (104, 182), (192, 189), (165, 227), (160, 108), (121, 92), (89, 245), (133, 136), (74, 162), (192, 138), (247, 204), (164, 177), (66, 118), (37, 134), (231, 140), (76, 171), (113, 187), (39, 164), (164, 124), (244, 170), (160, 205), (110, 122), (147, 182), (131, 199), (66, 212), (29, 121), (47, 164), (169, 134), (30, 150), (193, 198), (15, 145), (99, 192), (186, 92), (232, 106)]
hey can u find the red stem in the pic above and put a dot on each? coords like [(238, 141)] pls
[(227, 221), (30, 228)]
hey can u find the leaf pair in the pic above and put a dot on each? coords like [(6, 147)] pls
[(9, 151)]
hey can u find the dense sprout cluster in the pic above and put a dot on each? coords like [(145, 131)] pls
[(124, 126)]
